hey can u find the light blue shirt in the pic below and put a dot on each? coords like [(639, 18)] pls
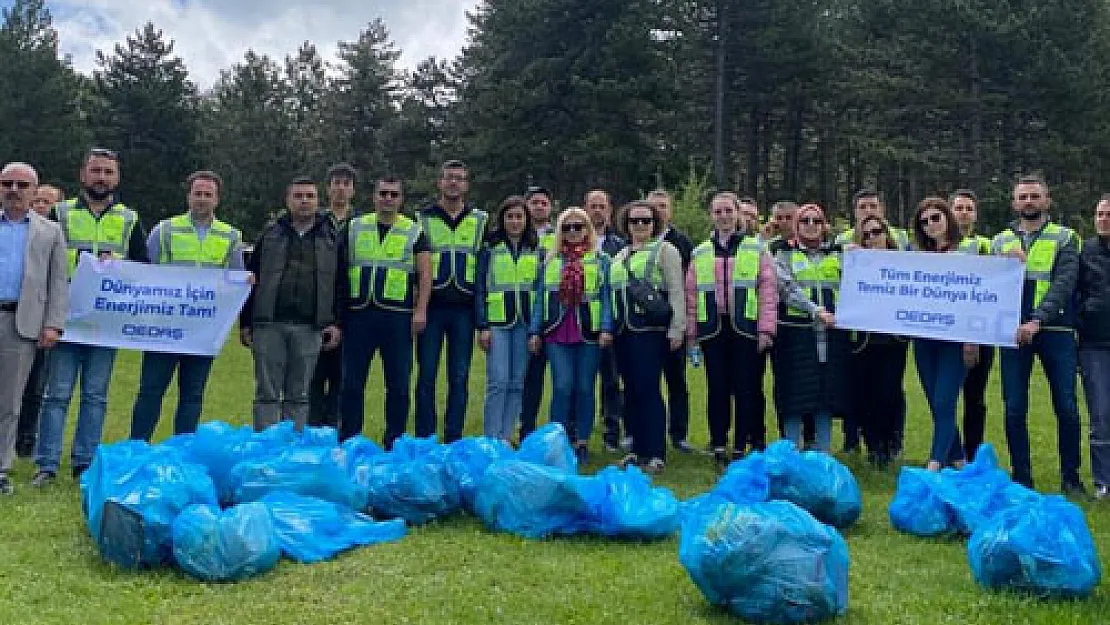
[(13, 246)]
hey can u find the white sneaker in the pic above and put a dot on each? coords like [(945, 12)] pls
[(1102, 491)]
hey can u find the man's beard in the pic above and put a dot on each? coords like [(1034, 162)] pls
[(95, 193)]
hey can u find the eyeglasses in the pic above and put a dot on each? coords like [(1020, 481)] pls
[(574, 227), (811, 221), (389, 194), (935, 218), (869, 234), (641, 221), (455, 178), (22, 184), (1023, 197)]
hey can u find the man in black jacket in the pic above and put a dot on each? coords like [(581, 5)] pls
[(600, 210), (1093, 299), (674, 365), (291, 311)]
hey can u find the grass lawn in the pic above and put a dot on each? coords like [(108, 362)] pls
[(455, 571)]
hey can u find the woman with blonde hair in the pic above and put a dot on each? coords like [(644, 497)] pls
[(571, 318)]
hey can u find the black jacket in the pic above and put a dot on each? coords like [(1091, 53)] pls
[(682, 243), (1092, 293)]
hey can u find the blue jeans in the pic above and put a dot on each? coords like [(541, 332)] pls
[(642, 357), (157, 371), (823, 424), (573, 382), (67, 361), (366, 332), (455, 324), (1056, 350), (941, 369), (1095, 364), (505, 366)]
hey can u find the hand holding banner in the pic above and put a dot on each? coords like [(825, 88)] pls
[(951, 297), (156, 308)]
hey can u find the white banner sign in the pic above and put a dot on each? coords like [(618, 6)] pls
[(154, 308), (952, 297)]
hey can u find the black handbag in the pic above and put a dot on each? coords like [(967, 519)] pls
[(647, 300)]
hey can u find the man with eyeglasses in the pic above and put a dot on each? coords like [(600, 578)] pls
[(455, 232), (323, 393), (674, 363), (196, 238), (383, 306), (291, 312), (46, 196), (1051, 256), (34, 297), (95, 222)]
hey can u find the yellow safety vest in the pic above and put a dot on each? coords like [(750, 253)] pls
[(589, 312), (382, 271), (821, 278), (181, 245), (455, 251), (509, 285), (745, 275), (110, 233)]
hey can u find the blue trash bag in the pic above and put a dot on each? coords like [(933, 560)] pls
[(815, 481), (918, 507), (467, 460), (410, 482), (218, 447), (623, 503), (531, 500), (319, 437), (767, 562), (696, 508), (216, 545), (319, 472), (133, 492), (1044, 548), (360, 450), (977, 492), (281, 434), (745, 481), (310, 530), (549, 446)]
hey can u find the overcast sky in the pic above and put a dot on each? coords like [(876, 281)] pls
[(211, 35)]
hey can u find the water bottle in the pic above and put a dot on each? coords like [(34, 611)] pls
[(695, 356)]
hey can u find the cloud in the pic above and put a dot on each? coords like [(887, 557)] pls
[(212, 35)]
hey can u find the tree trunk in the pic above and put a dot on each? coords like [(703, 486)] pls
[(719, 100)]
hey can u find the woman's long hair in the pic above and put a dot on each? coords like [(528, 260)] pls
[(528, 239), (924, 241)]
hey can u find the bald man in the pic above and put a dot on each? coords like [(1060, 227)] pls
[(34, 297)]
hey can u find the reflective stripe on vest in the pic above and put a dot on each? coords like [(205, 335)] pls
[(745, 274), (822, 279), (110, 234), (638, 262), (386, 265), (455, 252), (1040, 258), (553, 309), (507, 283), (181, 245)]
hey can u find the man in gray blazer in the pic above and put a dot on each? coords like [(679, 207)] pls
[(34, 297)]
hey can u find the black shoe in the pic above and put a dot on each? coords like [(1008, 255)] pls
[(631, 460), (721, 458), (683, 446), (6, 487), (43, 478), (582, 455), (851, 448), (1074, 489), (25, 447), (78, 470)]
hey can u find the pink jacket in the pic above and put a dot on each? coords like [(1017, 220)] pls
[(767, 294)]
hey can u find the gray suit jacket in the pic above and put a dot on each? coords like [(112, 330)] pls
[(44, 298)]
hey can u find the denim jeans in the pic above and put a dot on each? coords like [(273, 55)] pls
[(154, 379), (284, 359), (941, 369), (1095, 364), (573, 383), (366, 332), (642, 359), (975, 401), (455, 325), (67, 361), (823, 431), (1056, 350), (505, 367)]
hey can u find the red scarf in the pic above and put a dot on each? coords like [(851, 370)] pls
[(572, 282)]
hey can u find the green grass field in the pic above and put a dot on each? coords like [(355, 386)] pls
[(455, 571)]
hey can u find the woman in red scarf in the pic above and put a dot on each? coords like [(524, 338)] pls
[(574, 280)]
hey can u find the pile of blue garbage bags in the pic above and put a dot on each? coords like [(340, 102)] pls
[(764, 542), (1020, 539), (226, 502)]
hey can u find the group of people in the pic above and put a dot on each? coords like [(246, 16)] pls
[(589, 294)]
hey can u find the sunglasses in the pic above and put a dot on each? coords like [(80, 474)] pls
[(811, 221), (935, 218), (641, 221), (574, 227), (22, 184), (869, 234), (389, 194)]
